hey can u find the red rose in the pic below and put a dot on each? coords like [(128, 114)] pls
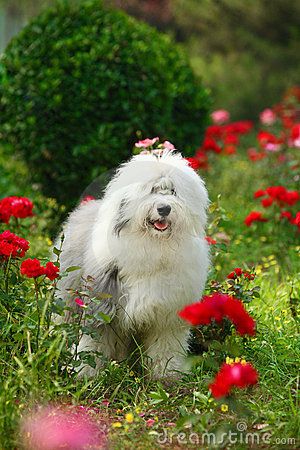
[(216, 307), (254, 216), (297, 219), (51, 271), (266, 202), (209, 144), (210, 240), (32, 268), (193, 163), (21, 207), (259, 193), (237, 374), (5, 210), (12, 245)]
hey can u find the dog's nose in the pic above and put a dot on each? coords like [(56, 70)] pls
[(164, 210)]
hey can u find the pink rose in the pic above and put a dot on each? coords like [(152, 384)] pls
[(168, 145), (220, 116), (267, 117), (146, 142)]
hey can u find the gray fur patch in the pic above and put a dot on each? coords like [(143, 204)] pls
[(106, 283), (121, 221)]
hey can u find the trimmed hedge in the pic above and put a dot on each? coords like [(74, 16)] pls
[(78, 84)]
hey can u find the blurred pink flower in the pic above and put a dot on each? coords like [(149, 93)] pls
[(168, 145), (79, 302), (150, 422), (220, 116), (146, 142), (87, 199), (53, 428), (267, 117)]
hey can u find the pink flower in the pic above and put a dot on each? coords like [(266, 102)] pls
[(146, 143), (80, 302), (168, 145), (220, 116), (55, 428), (267, 117), (150, 422), (87, 199)]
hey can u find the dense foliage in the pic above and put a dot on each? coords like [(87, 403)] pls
[(246, 52), (80, 82)]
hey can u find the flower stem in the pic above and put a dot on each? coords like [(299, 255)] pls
[(36, 288)]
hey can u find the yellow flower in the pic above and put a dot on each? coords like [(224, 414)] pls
[(116, 425), (131, 373), (48, 241), (224, 408), (129, 417), (229, 360)]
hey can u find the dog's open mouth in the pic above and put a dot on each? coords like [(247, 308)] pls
[(160, 225)]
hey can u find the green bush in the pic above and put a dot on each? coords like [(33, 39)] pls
[(78, 85)]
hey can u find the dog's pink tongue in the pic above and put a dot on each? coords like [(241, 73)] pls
[(161, 225)]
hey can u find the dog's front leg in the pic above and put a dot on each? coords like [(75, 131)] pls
[(166, 349)]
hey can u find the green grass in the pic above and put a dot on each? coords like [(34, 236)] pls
[(270, 410)]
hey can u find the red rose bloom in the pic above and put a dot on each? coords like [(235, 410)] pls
[(266, 202), (209, 144), (254, 216), (259, 193), (32, 268), (237, 374), (12, 245), (21, 207), (51, 271), (193, 163), (240, 127), (5, 210), (216, 307), (295, 135), (210, 240)]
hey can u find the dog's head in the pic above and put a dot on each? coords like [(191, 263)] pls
[(158, 196)]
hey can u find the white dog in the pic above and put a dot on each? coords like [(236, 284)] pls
[(143, 244)]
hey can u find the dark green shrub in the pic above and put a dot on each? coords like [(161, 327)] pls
[(79, 82)]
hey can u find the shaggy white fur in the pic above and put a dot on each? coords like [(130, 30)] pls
[(143, 244)]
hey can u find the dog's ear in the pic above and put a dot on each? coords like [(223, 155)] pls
[(121, 219), (106, 292)]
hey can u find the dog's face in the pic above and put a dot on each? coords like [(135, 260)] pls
[(161, 209)]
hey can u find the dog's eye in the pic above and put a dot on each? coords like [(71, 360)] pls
[(173, 192)]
